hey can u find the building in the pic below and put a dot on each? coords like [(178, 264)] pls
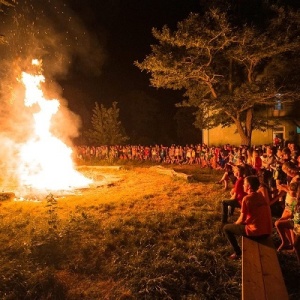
[(288, 128)]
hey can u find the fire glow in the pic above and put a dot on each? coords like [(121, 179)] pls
[(45, 161)]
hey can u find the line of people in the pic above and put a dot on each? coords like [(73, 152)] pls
[(198, 154), (276, 183), (216, 157)]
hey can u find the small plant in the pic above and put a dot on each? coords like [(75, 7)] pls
[(52, 211)]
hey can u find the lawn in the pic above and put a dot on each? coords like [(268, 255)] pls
[(136, 233)]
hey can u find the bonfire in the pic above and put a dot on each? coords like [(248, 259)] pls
[(45, 162)]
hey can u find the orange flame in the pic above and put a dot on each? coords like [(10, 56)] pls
[(46, 162)]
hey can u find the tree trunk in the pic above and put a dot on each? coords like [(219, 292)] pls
[(248, 124), (245, 132)]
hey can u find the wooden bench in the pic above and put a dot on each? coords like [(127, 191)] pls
[(296, 241), (261, 273)]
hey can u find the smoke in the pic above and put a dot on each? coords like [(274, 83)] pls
[(53, 33)]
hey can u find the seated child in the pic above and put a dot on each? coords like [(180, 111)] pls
[(227, 176), (289, 217)]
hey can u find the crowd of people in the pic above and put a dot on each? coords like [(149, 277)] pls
[(198, 154), (262, 181), (265, 182)]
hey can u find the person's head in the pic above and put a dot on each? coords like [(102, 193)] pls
[(290, 169), (251, 183), (286, 153), (239, 171), (279, 153), (271, 150), (292, 146), (241, 159)]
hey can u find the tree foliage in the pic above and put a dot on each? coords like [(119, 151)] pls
[(5, 3), (228, 68), (106, 127)]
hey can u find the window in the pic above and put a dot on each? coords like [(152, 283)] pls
[(278, 105)]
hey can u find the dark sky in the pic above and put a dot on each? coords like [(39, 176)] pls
[(125, 27), (89, 47), (88, 50), (124, 30)]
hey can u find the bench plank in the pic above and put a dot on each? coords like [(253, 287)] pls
[(296, 239), (274, 283), (261, 273), (252, 285)]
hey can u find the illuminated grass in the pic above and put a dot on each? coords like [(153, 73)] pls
[(147, 236)]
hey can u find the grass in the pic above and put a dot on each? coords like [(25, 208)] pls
[(145, 236)]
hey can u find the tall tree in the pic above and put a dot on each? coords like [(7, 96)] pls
[(226, 68), (106, 127)]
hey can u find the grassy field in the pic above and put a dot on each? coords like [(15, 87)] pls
[(135, 234)]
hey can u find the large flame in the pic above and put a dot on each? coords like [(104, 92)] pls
[(45, 161)]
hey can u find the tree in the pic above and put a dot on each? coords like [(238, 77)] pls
[(226, 68), (5, 3), (106, 127), (186, 132)]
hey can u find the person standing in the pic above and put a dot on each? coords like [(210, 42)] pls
[(255, 219), (277, 141)]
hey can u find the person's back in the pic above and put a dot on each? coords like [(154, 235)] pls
[(265, 191), (258, 215)]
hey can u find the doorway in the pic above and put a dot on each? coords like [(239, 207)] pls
[(278, 137)]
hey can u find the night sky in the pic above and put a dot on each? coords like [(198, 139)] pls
[(124, 31), (88, 49), (125, 27)]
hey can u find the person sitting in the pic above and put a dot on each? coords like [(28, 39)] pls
[(227, 176), (283, 225), (256, 162), (237, 194), (289, 167), (268, 160), (255, 219), (241, 161), (276, 208), (287, 172), (264, 189)]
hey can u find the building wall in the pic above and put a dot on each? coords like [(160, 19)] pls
[(220, 136)]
